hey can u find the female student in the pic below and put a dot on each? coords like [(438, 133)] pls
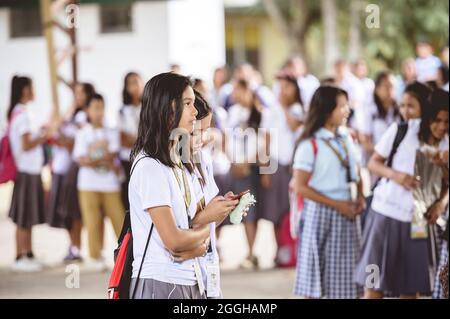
[(244, 143), (64, 209), (396, 238), (96, 151), (128, 125), (27, 204), (326, 174), (284, 121), (163, 202), (377, 116)]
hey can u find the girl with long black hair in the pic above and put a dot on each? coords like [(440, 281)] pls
[(27, 204), (326, 174), (163, 203)]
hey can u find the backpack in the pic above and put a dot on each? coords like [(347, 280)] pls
[(8, 169), (120, 278)]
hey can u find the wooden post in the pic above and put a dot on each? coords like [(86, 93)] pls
[(47, 21)]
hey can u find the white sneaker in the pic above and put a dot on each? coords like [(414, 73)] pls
[(26, 264)]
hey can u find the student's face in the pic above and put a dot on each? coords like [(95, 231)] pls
[(201, 135), (439, 127), (135, 86), (96, 112), (386, 89), (341, 113), (410, 107), (28, 93), (242, 95), (80, 96), (423, 50), (287, 93), (409, 69), (361, 70), (187, 120)]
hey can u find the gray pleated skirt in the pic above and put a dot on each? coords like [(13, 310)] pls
[(27, 204), (55, 205), (274, 201), (154, 289), (69, 196), (403, 263)]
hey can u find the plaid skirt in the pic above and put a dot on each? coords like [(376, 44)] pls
[(328, 250), (438, 292)]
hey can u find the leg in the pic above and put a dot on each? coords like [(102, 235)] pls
[(92, 218), (23, 241), (373, 294), (75, 233), (113, 207), (250, 231)]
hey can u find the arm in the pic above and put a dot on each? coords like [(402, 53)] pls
[(377, 166), (127, 140), (367, 142), (28, 143), (176, 240), (216, 211), (302, 186)]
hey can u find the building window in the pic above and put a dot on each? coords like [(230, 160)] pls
[(242, 44), (25, 22), (115, 18)]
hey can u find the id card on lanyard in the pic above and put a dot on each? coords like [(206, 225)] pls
[(212, 264), (187, 202)]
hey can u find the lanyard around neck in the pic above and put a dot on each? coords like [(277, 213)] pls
[(187, 191), (345, 162)]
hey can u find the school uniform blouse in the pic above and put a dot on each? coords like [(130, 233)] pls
[(153, 184), (30, 161), (128, 123), (389, 198), (329, 177)]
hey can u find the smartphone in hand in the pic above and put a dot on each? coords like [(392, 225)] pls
[(238, 196)]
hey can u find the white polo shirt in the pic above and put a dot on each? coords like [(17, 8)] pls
[(153, 184), (389, 198), (128, 123), (95, 179), (30, 161)]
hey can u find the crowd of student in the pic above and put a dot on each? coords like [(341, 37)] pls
[(320, 135)]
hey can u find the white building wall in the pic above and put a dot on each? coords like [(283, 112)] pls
[(187, 32)]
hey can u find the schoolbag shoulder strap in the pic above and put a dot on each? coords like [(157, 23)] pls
[(402, 129)]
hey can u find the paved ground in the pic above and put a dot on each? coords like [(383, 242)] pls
[(50, 247)]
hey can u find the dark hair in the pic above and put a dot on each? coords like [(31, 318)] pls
[(159, 117), (421, 92), (254, 120), (444, 73), (294, 82), (18, 84), (126, 97), (323, 103), (203, 110), (89, 91), (382, 113), (94, 97), (201, 105), (439, 102)]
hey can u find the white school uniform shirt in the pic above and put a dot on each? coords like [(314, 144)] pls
[(153, 184), (61, 157), (328, 177), (308, 85), (243, 147), (208, 191), (128, 123), (94, 179), (30, 161), (369, 123), (389, 198), (427, 68), (282, 138)]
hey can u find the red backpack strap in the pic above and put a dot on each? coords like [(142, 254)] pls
[(314, 145)]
